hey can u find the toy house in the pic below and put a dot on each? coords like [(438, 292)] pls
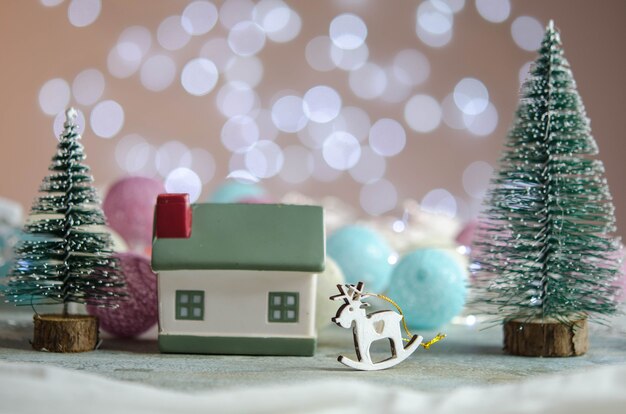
[(237, 278)]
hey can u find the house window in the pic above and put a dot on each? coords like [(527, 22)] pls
[(283, 307), (190, 305)]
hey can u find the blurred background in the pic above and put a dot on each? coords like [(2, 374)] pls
[(374, 102)]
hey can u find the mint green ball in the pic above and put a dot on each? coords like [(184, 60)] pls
[(232, 191), (363, 256), (430, 286)]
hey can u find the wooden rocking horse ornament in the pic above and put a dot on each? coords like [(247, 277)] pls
[(369, 328)]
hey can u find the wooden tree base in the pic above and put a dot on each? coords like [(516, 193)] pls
[(546, 338), (71, 333)]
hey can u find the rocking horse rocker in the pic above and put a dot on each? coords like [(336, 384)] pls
[(369, 328)]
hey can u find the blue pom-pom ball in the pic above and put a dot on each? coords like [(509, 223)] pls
[(363, 255), (430, 286), (233, 191)]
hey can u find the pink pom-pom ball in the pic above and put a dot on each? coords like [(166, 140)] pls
[(139, 311), (129, 208)]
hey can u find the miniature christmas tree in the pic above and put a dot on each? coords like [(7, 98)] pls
[(546, 257), (66, 256)]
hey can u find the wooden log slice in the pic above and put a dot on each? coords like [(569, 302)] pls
[(71, 333), (546, 338)]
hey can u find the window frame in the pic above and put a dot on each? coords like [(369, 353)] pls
[(190, 306), (283, 307)]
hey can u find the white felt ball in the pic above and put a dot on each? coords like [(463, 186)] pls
[(327, 282)]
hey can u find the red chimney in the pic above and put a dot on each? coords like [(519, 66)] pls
[(172, 216)]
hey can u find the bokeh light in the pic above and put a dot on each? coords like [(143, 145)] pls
[(124, 59), (184, 180), (236, 98), (321, 104), (199, 76), (439, 201), (368, 81), (288, 114), (88, 86), (451, 114), (171, 34), (395, 91), (434, 40), (289, 32), (246, 38), (387, 137), (298, 164), (248, 70), (267, 129), (51, 3), (524, 71), (476, 179), (54, 96), (135, 155), (137, 35), (264, 160), (237, 162), (158, 72), (271, 15), (495, 11), (471, 96), (318, 54), (242, 176), (422, 113), (239, 133), (199, 17), (107, 119), (330, 138), (341, 150), (321, 170), (434, 23), (371, 167), (482, 124), (435, 17), (82, 13), (411, 67), (235, 11), (347, 31), (349, 59), (201, 162), (454, 5), (378, 197), (218, 52), (171, 155), (356, 122), (527, 33), (314, 134)]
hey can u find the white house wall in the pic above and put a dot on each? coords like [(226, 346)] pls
[(236, 302)]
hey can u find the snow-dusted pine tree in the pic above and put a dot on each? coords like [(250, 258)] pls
[(546, 249), (66, 255)]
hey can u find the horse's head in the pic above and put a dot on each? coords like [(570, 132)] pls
[(352, 307)]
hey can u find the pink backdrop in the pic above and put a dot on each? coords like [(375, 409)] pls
[(39, 43)]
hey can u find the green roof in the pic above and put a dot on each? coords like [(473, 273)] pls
[(247, 236)]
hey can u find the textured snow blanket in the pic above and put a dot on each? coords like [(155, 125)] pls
[(29, 388)]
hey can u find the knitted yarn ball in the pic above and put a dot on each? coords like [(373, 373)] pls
[(233, 191), (430, 286), (129, 208), (363, 255)]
